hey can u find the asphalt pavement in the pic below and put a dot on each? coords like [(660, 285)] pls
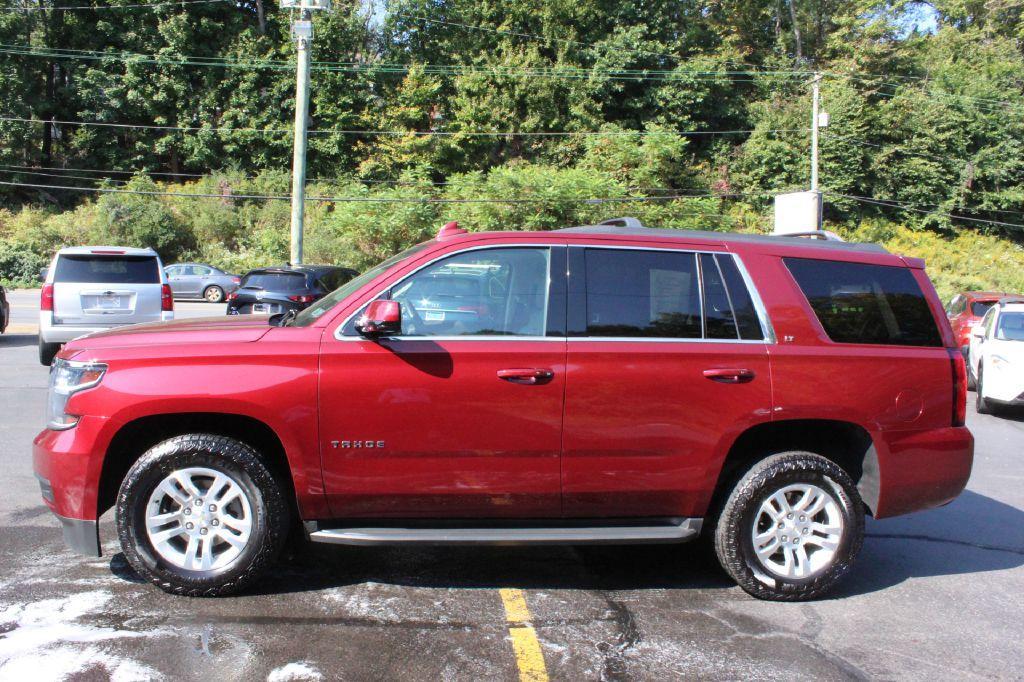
[(934, 595)]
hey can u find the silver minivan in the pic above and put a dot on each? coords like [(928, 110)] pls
[(91, 288)]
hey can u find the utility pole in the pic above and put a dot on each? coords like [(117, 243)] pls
[(814, 132), (302, 31)]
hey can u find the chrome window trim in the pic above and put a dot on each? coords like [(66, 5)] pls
[(762, 313), (550, 245)]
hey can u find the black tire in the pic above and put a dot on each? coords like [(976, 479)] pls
[(213, 294), (47, 351), (981, 404), (269, 523), (734, 542)]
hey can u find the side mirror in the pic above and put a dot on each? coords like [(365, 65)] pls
[(978, 331), (43, 273), (382, 318)]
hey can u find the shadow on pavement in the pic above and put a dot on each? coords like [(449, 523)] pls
[(935, 543), (18, 340)]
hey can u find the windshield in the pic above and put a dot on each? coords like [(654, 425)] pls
[(310, 314), (1011, 327)]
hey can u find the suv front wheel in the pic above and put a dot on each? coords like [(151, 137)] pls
[(791, 527), (201, 515)]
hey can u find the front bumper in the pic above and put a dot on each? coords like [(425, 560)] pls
[(68, 465)]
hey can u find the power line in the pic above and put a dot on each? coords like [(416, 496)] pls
[(389, 200), (439, 133), (40, 8), (911, 207), (897, 149)]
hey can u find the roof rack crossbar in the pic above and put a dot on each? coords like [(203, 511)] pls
[(625, 221), (820, 234)]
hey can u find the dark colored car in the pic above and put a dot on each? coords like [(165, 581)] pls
[(200, 281), (966, 310), (597, 384), (281, 289), (5, 311)]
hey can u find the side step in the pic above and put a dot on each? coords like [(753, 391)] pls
[(671, 530)]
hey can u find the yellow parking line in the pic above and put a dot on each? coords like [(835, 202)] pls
[(22, 329), (529, 658)]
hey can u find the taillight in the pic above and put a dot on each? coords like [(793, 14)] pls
[(959, 369), (46, 298), (232, 296), (303, 298), (166, 298), (236, 280)]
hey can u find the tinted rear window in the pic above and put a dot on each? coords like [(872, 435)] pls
[(88, 269), (275, 281), (858, 303), (642, 293), (979, 308)]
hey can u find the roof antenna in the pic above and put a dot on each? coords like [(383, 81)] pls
[(625, 221)]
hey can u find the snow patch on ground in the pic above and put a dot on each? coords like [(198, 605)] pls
[(38, 638), (294, 671)]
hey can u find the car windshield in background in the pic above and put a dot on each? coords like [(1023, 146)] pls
[(859, 303), (310, 314), (88, 269), (979, 308), (274, 281), (1011, 327)]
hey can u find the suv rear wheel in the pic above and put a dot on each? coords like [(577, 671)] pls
[(201, 515), (47, 352), (791, 527)]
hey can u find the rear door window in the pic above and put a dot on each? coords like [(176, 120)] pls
[(979, 308), (642, 294), (862, 303), (94, 269), (275, 281)]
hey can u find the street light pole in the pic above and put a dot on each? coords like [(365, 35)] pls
[(303, 29)]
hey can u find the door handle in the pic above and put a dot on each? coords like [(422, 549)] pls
[(529, 377), (730, 376)]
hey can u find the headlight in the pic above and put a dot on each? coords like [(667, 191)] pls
[(999, 362), (67, 378)]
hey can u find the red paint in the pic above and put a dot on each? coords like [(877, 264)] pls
[(543, 427)]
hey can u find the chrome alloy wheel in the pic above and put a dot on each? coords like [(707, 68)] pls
[(797, 531), (198, 519)]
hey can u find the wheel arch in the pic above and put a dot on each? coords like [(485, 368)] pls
[(134, 438), (847, 444)]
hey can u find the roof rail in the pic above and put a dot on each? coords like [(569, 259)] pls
[(819, 234), (1010, 300), (625, 221)]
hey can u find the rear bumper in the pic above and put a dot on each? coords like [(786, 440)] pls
[(922, 469)]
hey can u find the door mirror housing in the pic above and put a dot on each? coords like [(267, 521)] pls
[(382, 318), (43, 273), (978, 331)]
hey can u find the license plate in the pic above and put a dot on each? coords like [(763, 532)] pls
[(261, 307), (110, 302), (433, 316)]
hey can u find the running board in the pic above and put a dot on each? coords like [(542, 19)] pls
[(678, 530)]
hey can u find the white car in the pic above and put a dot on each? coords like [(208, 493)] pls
[(92, 288), (995, 356)]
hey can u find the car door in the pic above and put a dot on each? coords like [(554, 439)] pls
[(202, 277), (976, 348), (461, 414), (175, 279), (667, 360)]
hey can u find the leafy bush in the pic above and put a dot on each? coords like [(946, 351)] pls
[(19, 265)]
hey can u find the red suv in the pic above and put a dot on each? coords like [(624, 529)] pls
[(966, 310), (595, 384)]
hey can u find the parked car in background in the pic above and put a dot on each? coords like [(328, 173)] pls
[(286, 288), (995, 357), (597, 384), (966, 310), (93, 288), (5, 311), (200, 281)]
